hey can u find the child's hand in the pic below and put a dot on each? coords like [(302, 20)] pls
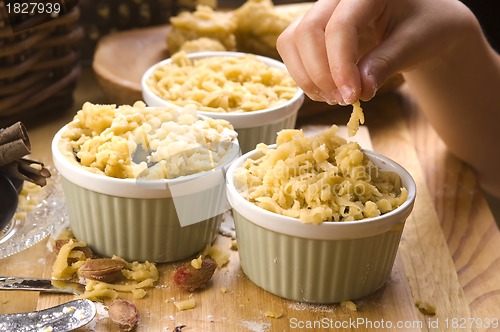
[(341, 51)]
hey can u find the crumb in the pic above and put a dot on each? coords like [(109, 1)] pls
[(196, 263), (425, 308), (185, 304), (68, 310), (216, 253), (234, 245), (349, 305), (273, 314), (223, 290)]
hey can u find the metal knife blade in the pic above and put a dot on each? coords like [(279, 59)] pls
[(62, 318), (41, 285)]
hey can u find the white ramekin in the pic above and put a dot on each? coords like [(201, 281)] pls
[(253, 127)]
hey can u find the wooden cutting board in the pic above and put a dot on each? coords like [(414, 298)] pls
[(423, 271), (462, 231)]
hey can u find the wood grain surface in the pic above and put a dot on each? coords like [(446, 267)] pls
[(448, 255)]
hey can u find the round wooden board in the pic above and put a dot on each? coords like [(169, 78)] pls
[(121, 58)]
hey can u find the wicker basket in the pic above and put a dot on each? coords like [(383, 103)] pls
[(39, 67), (100, 18)]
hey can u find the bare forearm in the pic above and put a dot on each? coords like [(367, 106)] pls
[(460, 95), (437, 45)]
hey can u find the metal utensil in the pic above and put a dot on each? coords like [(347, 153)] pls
[(41, 285), (62, 318)]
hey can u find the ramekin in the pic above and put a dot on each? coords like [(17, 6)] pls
[(252, 127), (141, 220), (326, 263)]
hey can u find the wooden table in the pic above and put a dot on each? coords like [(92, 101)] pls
[(448, 255)]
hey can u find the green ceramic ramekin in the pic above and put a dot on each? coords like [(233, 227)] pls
[(157, 221), (326, 263)]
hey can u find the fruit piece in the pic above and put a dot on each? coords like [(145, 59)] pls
[(124, 314), (101, 269), (189, 278)]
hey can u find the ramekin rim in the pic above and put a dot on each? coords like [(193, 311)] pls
[(403, 210), (152, 188), (297, 98)]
